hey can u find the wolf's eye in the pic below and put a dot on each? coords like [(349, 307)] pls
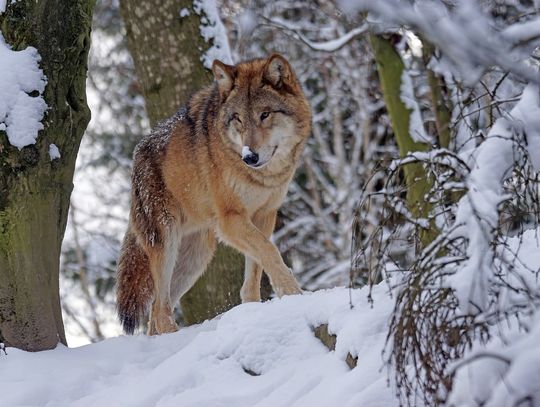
[(264, 115)]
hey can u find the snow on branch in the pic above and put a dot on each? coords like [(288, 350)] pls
[(523, 32), (503, 372), (477, 215), (464, 33), (20, 112), (326, 46), (481, 268)]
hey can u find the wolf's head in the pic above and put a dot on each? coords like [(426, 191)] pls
[(263, 113)]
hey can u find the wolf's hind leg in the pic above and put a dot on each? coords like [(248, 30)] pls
[(194, 254), (251, 289), (162, 262)]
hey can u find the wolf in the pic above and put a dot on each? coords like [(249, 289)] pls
[(218, 169)]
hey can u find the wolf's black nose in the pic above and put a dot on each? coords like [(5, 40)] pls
[(251, 159)]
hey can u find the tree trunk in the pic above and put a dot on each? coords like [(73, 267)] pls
[(35, 191), (166, 49), (440, 103), (390, 69)]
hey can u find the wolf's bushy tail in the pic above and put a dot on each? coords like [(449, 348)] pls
[(134, 285)]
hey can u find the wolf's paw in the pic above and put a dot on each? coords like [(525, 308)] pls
[(289, 287), (250, 293), (163, 326), (289, 291), (169, 328), (250, 297), (168, 325)]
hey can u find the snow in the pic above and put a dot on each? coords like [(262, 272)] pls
[(416, 124), (461, 31), (54, 152), (530, 120), (2, 6), (247, 21), (507, 369), (20, 113), (520, 32), (208, 365), (213, 32), (335, 44), (326, 46), (478, 211), (184, 12)]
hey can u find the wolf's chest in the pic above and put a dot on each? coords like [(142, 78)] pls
[(254, 197)]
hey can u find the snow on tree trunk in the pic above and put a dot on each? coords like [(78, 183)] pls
[(35, 188), (171, 42)]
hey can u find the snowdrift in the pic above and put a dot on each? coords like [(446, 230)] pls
[(257, 354)]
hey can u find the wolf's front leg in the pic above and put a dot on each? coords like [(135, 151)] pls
[(265, 221), (238, 231)]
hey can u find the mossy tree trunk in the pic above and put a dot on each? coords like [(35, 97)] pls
[(390, 69), (35, 191), (440, 103), (166, 49)]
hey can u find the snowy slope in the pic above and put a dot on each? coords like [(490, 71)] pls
[(208, 365)]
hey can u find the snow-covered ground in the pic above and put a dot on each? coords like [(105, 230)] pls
[(266, 354), (257, 354)]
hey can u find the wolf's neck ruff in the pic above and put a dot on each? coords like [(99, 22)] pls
[(220, 167)]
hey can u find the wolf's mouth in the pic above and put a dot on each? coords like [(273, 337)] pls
[(262, 164)]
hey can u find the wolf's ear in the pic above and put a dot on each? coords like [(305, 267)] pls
[(224, 75), (278, 72)]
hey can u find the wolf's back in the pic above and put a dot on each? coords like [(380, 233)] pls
[(134, 285)]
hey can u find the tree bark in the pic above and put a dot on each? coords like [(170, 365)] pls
[(35, 191), (166, 49), (440, 104), (390, 69)]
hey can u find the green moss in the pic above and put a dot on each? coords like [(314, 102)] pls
[(390, 69)]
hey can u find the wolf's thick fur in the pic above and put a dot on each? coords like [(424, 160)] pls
[(220, 169)]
